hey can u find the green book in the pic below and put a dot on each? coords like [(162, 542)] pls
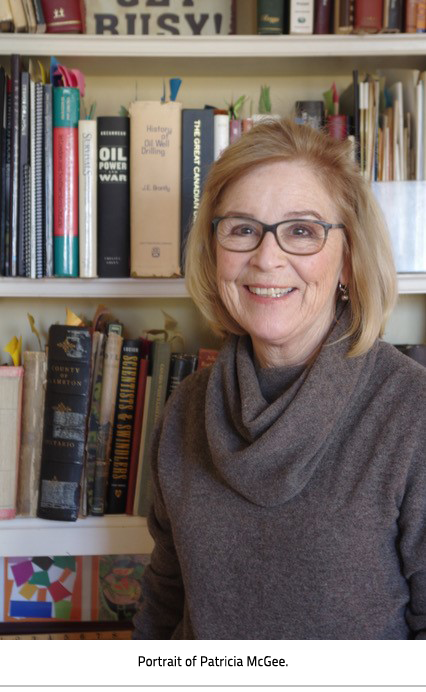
[(270, 16)]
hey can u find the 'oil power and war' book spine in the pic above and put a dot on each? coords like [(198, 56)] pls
[(66, 113), (197, 155), (65, 416), (113, 197)]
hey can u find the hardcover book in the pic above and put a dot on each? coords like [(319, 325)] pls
[(87, 198), (48, 178), (393, 16), (137, 433), (155, 164), (98, 352), (113, 190), (181, 365), (197, 155), (301, 16), (368, 16), (64, 432), (3, 109), (63, 16), (66, 113), (343, 16), (322, 17), (270, 17), (15, 127), (37, 163), (123, 427), (11, 379)]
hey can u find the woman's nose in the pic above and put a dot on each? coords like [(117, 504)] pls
[(268, 254)]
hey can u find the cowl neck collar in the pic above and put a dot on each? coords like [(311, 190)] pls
[(267, 452)]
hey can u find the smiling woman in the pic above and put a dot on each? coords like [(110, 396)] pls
[(290, 477)]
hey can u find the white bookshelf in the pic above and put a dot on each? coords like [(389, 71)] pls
[(214, 69)]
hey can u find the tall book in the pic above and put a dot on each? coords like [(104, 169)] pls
[(66, 114), (87, 197), (415, 351), (270, 17), (98, 352), (111, 369), (322, 16), (160, 373), (5, 191), (11, 379), (28, 7), (220, 131), (155, 164), (368, 16), (3, 107), (63, 16), (197, 155), (24, 163), (6, 16), (48, 178), (137, 433), (39, 186), (15, 126), (113, 190), (65, 416), (123, 427), (34, 387)]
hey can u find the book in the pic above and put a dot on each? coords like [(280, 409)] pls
[(368, 17), (155, 164), (65, 415), (113, 191), (30, 234), (393, 16), (6, 160), (322, 16), (206, 357), (160, 374), (30, 16), (137, 432), (37, 163), (34, 388), (270, 17), (87, 198), (220, 132), (39, 17), (18, 14), (181, 365), (48, 178), (6, 16), (63, 16), (343, 17), (197, 155), (3, 108), (11, 379), (24, 163), (123, 427), (411, 16), (111, 369), (98, 352), (301, 17), (66, 113), (14, 163)]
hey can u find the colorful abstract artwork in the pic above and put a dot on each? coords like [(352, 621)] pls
[(116, 586), (42, 588)]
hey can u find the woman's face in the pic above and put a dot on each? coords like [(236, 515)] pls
[(285, 329)]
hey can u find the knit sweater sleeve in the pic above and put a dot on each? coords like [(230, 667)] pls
[(412, 525), (163, 595)]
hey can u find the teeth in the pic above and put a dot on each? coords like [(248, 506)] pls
[(271, 292)]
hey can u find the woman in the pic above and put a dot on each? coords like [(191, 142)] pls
[(290, 477)]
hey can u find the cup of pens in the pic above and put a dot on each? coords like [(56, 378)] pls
[(337, 126)]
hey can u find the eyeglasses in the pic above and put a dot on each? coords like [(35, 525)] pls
[(295, 236)]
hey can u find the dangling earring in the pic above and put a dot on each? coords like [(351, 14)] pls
[(343, 291)]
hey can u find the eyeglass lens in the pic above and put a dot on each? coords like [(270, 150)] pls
[(299, 237)]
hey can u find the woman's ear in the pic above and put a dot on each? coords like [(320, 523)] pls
[(345, 274)]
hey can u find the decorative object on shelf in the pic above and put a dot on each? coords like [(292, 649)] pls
[(169, 17)]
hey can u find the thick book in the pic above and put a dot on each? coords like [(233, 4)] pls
[(110, 373), (322, 17), (87, 198), (11, 379), (181, 365), (28, 7), (123, 427), (66, 114), (393, 16), (65, 415), (343, 18), (197, 156), (206, 357), (15, 126), (19, 18), (160, 373), (270, 17), (34, 388), (137, 433), (48, 178), (411, 16), (155, 164), (63, 16), (301, 17), (368, 16), (113, 190)]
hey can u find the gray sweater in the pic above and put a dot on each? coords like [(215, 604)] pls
[(291, 503)]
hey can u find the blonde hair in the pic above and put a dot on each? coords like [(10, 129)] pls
[(372, 283)]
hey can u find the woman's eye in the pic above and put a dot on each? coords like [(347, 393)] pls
[(243, 230), (301, 231)]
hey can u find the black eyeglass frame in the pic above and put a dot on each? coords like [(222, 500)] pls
[(272, 228)]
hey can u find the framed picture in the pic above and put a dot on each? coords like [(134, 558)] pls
[(160, 17)]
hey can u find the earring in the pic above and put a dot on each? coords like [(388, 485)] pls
[(343, 291)]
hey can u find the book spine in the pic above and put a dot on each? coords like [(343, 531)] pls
[(63, 16), (160, 373), (3, 102), (24, 158), (11, 379), (34, 387), (343, 16), (19, 18), (393, 19), (14, 165), (368, 16), (220, 132), (411, 16), (270, 17), (87, 197), (30, 15), (99, 340), (155, 193), (197, 156), (137, 434), (6, 17), (110, 375), (32, 243), (322, 19), (113, 190), (39, 16), (7, 182), (48, 178), (39, 187), (123, 427), (181, 365), (66, 111), (65, 415), (301, 16)]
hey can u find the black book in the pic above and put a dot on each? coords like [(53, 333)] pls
[(14, 164), (5, 217), (113, 196), (24, 162), (197, 155), (393, 16), (3, 103), (123, 427), (181, 365), (65, 417), (48, 179)]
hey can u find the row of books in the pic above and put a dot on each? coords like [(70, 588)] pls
[(76, 424), (340, 16)]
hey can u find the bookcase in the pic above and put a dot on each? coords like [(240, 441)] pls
[(214, 70)]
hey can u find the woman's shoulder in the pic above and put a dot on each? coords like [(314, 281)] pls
[(408, 372)]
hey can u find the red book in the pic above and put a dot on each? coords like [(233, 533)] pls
[(368, 16), (137, 430), (206, 357), (411, 16), (322, 17), (64, 16)]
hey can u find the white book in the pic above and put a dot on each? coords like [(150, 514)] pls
[(87, 197), (419, 131), (220, 133), (6, 17), (301, 16)]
